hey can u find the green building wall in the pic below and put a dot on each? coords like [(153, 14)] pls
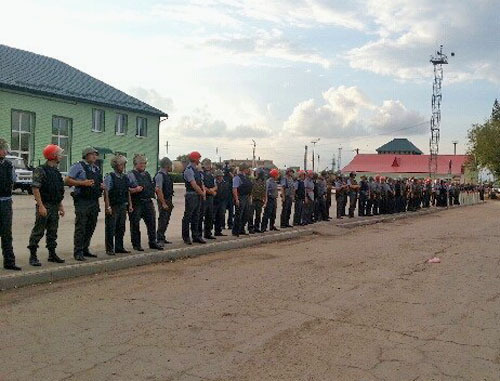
[(45, 108)]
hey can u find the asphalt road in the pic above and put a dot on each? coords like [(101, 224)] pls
[(359, 304)]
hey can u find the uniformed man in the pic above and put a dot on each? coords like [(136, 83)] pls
[(287, 196), (86, 179), (383, 196), (271, 202), (364, 195), (142, 190), (242, 190), (340, 194), (228, 178), (220, 201), (195, 194), (48, 190), (258, 199), (164, 194), (309, 199), (7, 180), (321, 184), (329, 187), (300, 196), (117, 202), (206, 223)]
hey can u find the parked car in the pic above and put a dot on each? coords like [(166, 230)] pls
[(24, 175)]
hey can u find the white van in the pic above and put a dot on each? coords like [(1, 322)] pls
[(24, 176)]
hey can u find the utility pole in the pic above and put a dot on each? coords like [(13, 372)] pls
[(253, 153), (314, 146), (357, 151), (318, 163), (166, 146), (305, 158), (455, 142), (339, 159), (437, 61), (333, 162)]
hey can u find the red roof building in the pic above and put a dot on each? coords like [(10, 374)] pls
[(406, 165)]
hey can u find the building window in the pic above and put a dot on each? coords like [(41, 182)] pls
[(97, 120), (121, 124), (61, 135), (22, 128), (141, 127)]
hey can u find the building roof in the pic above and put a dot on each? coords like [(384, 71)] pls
[(29, 72), (375, 163), (399, 145)]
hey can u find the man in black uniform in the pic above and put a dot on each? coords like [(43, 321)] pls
[(86, 177), (220, 201), (206, 222), (7, 179), (117, 201), (48, 190), (364, 195), (195, 194), (164, 193), (242, 189), (142, 190)]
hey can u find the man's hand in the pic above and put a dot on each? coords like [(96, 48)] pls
[(61, 211), (42, 211), (237, 203), (164, 206), (130, 208), (109, 211), (87, 183), (139, 188)]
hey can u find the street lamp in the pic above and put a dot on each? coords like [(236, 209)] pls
[(314, 145)]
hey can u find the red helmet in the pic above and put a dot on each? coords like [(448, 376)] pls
[(195, 155), (52, 151), (274, 173)]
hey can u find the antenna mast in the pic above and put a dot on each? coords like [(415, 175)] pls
[(438, 61)]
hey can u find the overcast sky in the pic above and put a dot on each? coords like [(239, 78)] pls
[(282, 72)]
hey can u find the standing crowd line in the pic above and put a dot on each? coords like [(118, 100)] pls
[(215, 198)]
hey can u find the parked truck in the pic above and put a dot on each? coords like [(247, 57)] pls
[(24, 174)]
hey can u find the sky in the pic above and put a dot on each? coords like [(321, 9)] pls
[(353, 74)]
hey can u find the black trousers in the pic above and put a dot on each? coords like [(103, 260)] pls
[(230, 214), (163, 220), (286, 211), (307, 210), (206, 221), (340, 199), (6, 232), (86, 212), (269, 214), (353, 198), (192, 205), (298, 212), (145, 210), (322, 212), (220, 206), (49, 224), (362, 205), (256, 213), (115, 227), (241, 214)]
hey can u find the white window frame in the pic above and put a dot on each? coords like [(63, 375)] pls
[(121, 121), (94, 114), (141, 130), (58, 136), (20, 152)]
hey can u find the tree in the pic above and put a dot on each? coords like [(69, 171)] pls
[(495, 111), (484, 143), (182, 158)]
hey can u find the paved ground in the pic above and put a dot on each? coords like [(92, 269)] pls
[(358, 304)]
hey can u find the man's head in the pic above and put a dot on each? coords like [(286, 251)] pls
[(140, 162), (302, 175), (53, 153), (259, 173), (274, 173), (4, 148), (194, 157), (90, 155), (118, 163), (206, 164), (245, 168), (166, 164), (289, 172), (219, 175)]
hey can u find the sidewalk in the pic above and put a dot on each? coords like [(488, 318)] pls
[(53, 272)]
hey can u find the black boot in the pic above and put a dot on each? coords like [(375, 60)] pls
[(33, 258), (53, 257)]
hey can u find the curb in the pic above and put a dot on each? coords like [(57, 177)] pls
[(21, 279), (81, 269)]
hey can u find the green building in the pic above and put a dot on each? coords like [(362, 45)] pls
[(43, 101)]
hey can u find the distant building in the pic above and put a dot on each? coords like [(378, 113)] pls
[(390, 164), (44, 100), (268, 164)]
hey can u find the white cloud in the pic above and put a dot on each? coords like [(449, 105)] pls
[(153, 98), (342, 115)]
